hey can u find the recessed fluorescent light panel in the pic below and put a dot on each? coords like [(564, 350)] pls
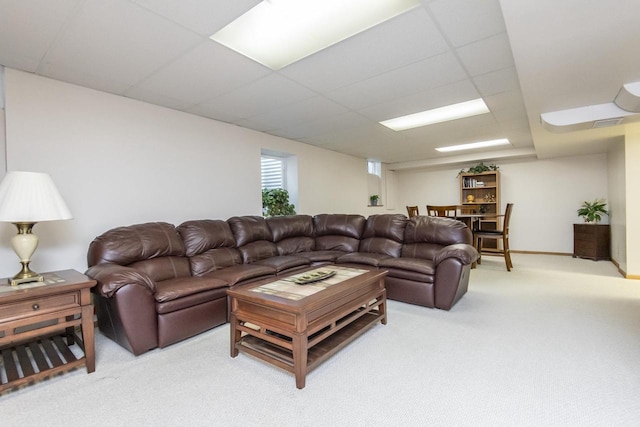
[(438, 115), (277, 33), (472, 145)]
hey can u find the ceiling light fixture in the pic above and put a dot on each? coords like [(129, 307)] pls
[(472, 145), (277, 33), (438, 115)]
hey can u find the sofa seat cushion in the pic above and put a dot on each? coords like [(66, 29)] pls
[(168, 290), (284, 262), (192, 300), (362, 258), (416, 265), (241, 273), (409, 275), (321, 256)]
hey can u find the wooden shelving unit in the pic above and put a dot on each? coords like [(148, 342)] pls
[(484, 189)]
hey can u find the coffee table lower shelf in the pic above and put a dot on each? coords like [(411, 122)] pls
[(317, 354)]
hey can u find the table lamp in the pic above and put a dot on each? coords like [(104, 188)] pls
[(25, 199)]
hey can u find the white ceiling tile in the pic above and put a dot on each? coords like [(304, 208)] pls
[(468, 129), (497, 81), (21, 45), (340, 122), (201, 16), (158, 51), (400, 41), (154, 97), (372, 141), (207, 71), (486, 55), (117, 41), (417, 77), (434, 98), (259, 97), (304, 111), (504, 101), (466, 21)]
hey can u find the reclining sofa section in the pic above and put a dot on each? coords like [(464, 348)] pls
[(159, 284)]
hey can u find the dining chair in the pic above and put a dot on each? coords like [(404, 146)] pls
[(443, 210), (412, 211), (498, 235)]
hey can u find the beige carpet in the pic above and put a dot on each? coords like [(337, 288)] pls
[(553, 343)]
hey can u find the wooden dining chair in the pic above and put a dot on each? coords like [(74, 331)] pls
[(412, 211), (449, 211), (498, 235)]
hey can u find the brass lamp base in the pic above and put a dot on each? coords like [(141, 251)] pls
[(26, 275), (16, 282)]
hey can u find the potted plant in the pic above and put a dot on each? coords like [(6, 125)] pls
[(275, 201), (592, 212), (374, 200), (479, 168)]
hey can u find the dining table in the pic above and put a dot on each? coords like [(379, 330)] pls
[(473, 220)]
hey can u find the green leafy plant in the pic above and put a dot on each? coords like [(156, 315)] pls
[(374, 199), (593, 211), (479, 168), (275, 202)]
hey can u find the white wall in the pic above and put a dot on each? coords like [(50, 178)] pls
[(618, 203), (632, 177), (545, 193), (117, 162)]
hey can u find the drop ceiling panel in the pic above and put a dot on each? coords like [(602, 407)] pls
[(458, 131), (434, 98), (116, 40), (485, 56), (258, 97), (341, 122), (400, 41), (417, 77), (204, 17), (568, 54), (465, 21), (304, 111), (205, 72), (497, 81), (20, 46)]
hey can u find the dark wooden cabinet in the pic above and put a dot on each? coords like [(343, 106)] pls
[(591, 241)]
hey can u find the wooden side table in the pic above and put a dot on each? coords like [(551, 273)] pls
[(38, 328), (592, 241)]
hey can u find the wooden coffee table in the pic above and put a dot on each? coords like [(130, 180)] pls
[(297, 327)]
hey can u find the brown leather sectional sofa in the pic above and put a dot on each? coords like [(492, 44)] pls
[(159, 284)]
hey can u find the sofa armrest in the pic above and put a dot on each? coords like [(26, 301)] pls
[(111, 277), (465, 253)]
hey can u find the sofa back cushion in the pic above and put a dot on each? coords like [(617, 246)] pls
[(383, 234), (134, 243), (253, 237), (247, 229), (201, 235), (338, 232), (292, 234), (424, 236), (164, 268), (209, 244)]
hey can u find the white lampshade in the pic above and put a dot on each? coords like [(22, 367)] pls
[(31, 197)]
